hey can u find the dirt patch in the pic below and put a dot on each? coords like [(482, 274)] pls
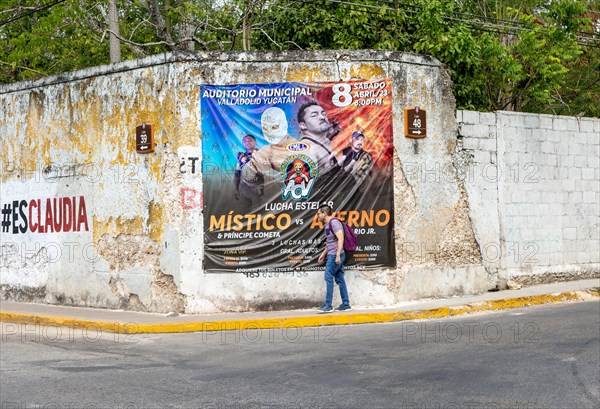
[(23, 294), (555, 277)]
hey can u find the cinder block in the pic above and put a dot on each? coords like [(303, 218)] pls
[(572, 124), (543, 259), (487, 145), (584, 257), (518, 144), (552, 160), (546, 174), (575, 149), (582, 235), (532, 121), (517, 120), (563, 197), (559, 124), (459, 116), (592, 246), (575, 174), (567, 185), (562, 148), (587, 173), (590, 197), (563, 173), (482, 157), (548, 197), (575, 197), (471, 143), (593, 161), (580, 161), (548, 147), (566, 160), (546, 122), (593, 139), (470, 117), (490, 196), (510, 132), (476, 131), (533, 146), (512, 157), (533, 196), (556, 257), (534, 223), (586, 125), (532, 209), (511, 210), (572, 246), (538, 134), (553, 136), (556, 207), (583, 185), (492, 132), (569, 257), (487, 118), (525, 158)]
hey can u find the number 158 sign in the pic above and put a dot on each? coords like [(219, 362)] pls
[(415, 122)]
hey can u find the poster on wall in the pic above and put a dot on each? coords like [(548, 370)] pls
[(273, 153)]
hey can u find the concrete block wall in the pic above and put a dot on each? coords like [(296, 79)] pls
[(534, 193)]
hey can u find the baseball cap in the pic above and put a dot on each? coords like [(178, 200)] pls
[(358, 134)]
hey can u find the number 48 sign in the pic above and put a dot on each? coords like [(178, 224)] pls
[(415, 122)]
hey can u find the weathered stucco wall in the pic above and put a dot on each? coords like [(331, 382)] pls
[(130, 233)]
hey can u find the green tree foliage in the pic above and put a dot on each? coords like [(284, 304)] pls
[(502, 54), (529, 55), (41, 42)]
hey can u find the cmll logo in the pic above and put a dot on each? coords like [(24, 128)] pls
[(298, 173), (298, 147)]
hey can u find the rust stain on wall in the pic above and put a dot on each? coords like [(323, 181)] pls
[(304, 73), (156, 221), (366, 71), (117, 225)]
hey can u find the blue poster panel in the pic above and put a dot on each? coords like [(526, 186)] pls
[(273, 153)]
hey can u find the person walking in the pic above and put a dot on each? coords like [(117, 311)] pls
[(333, 255)]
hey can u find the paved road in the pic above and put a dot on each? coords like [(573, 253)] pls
[(539, 357)]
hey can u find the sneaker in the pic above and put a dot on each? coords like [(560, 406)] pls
[(343, 307), (324, 309)]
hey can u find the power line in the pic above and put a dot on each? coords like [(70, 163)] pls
[(516, 23), (511, 24), (41, 8), (481, 26)]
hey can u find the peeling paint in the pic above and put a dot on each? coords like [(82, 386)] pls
[(117, 225)]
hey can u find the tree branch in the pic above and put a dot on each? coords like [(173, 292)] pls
[(24, 68)]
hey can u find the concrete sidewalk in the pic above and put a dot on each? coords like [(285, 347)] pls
[(138, 322)]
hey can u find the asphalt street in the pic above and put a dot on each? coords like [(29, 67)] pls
[(536, 357)]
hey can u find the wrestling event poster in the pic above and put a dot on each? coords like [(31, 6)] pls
[(273, 153)]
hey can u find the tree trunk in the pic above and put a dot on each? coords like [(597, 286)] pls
[(113, 25)]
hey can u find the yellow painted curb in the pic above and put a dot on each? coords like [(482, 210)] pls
[(293, 322)]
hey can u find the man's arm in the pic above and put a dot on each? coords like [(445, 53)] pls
[(340, 245), (323, 255)]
